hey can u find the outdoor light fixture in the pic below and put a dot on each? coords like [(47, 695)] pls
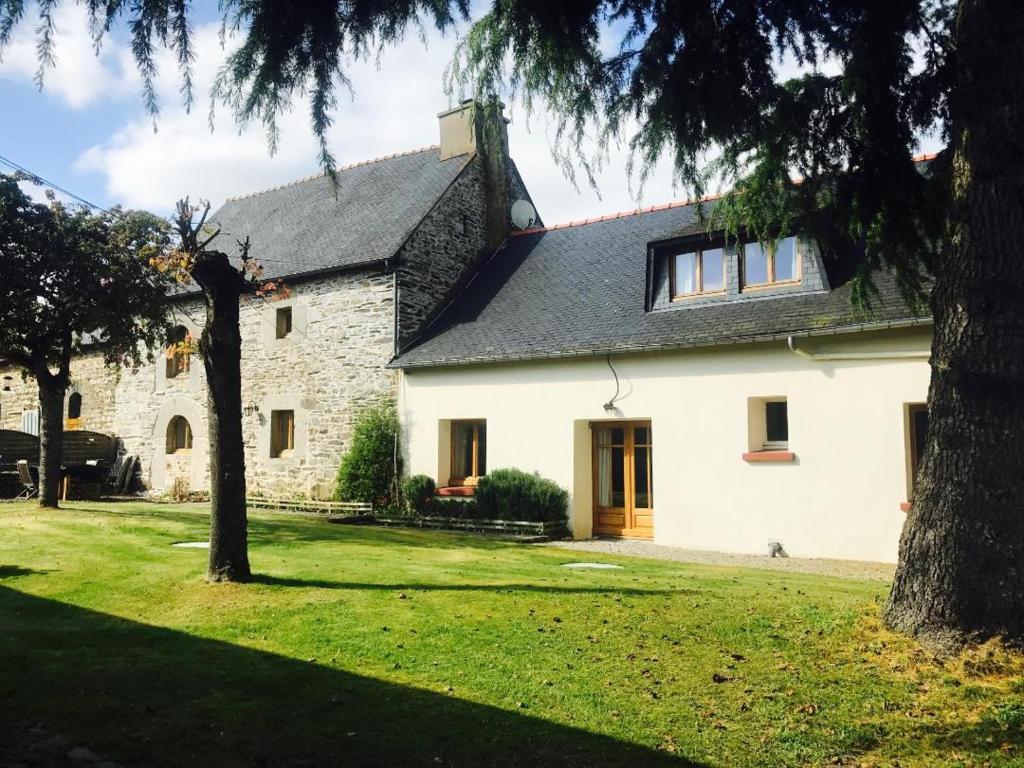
[(251, 408)]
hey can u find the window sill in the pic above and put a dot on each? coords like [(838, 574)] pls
[(758, 287), (777, 457), (684, 297), (455, 490)]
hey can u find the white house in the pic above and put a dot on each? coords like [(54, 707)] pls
[(682, 389)]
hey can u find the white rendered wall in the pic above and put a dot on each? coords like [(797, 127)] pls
[(847, 427)]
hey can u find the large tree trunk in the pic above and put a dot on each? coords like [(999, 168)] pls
[(51, 437), (221, 347), (961, 569)]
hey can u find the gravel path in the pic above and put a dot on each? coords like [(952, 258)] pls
[(850, 569)]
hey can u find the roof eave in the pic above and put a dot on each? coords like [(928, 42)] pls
[(665, 347)]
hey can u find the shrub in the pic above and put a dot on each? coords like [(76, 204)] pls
[(418, 491), (369, 470), (463, 509), (511, 494)]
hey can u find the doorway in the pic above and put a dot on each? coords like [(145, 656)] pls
[(623, 475)]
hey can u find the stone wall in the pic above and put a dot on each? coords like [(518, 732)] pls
[(331, 364), (90, 378), (449, 240)]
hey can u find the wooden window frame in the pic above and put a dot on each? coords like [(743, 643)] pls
[(282, 443), (772, 282), (172, 446), (474, 476), (283, 330), (699, 253)]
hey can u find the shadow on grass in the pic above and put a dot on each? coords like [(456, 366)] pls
[(282, 581), (13, 571), (153, 696)]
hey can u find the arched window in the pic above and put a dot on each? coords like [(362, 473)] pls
[(177, 352), (179, 435), (75, 406)]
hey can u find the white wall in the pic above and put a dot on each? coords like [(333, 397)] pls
[(847, 427)]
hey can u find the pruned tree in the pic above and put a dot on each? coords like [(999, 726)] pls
[(74, 281), (223, 284), (697, 80)]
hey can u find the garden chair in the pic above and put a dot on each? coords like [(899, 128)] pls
[(30, 489)]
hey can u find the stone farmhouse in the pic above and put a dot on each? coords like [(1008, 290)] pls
[(683, 387), (368, 262)]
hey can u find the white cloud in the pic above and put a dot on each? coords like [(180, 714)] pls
[(394, 109), (79, 78)]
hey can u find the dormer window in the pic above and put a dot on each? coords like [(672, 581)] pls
[(776, 264), (696, 273)]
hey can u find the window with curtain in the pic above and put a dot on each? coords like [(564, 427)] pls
[(282, 434), (469, 452), (698, 272)]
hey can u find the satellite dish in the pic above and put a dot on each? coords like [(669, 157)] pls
[(524, 215)]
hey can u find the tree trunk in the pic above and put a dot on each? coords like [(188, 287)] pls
[(221, 347), (51, 438), (961, 570)]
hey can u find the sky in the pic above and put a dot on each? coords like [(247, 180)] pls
[(87, 129)]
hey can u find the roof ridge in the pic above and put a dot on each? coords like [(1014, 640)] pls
[(619, 215), (348, 167), (655, 208)]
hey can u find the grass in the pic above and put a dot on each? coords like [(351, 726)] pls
[(381, 647)]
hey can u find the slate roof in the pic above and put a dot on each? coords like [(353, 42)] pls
[(303, 227), (581, 290)]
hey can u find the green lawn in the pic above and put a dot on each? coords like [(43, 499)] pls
[(384, 647)]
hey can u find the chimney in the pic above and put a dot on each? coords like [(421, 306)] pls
[(483, 128)]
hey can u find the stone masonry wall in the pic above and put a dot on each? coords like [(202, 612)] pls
[(331, 364), (449, 240), (90, 378)]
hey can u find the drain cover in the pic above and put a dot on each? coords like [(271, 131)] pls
[(595, 566), (192, 544)]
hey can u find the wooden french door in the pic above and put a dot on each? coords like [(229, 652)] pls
[(623, 488)]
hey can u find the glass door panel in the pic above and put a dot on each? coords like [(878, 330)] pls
[(623, 501)]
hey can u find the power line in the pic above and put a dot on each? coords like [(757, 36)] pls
[(42, 181)]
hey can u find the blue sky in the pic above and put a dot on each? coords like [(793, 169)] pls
[(87, 130)]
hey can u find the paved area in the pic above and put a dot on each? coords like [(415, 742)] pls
[(850, 569)]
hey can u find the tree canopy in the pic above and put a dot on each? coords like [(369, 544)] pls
[(696, 81), (73, 278)]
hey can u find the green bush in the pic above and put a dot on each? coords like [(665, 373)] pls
[(418, 492), (369, 470), (463, 509), (511, 494)]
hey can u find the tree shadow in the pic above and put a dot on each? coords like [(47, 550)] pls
[(153, 696), (13, 571), (284, 581)]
